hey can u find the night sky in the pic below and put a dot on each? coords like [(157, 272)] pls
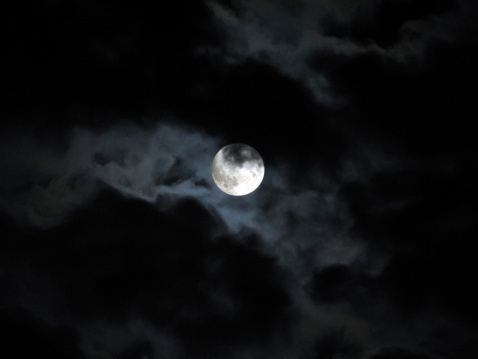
[(115, 242)]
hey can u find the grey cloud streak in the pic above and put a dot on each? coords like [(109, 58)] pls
[(286, 34), (137, 162), (307, 227)]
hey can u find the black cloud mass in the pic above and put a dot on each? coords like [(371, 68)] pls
[(115, 242)]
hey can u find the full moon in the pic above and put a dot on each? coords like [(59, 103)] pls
[(238, 169)]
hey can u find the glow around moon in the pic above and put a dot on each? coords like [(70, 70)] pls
[(238, 169)]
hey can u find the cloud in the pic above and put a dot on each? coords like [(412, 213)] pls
[(119, 263), (385, 23), (285, 35), (401, 353), (302, 220), (335, 344), (120, 245), (100, 189), (139, 162), (25, 336)]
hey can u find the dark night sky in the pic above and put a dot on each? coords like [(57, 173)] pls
[(115, 242)]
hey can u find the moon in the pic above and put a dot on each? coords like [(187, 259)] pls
[(238, 169)]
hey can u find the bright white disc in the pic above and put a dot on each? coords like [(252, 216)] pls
[(238, 169)]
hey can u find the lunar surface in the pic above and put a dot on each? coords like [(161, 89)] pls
[(238, 169)]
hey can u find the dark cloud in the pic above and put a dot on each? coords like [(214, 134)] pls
[(334, 283), (425, 219), (25, 336), (381, 22), (138, 351), (335, 345), (117, 257), (422, 107), (401, 353)]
